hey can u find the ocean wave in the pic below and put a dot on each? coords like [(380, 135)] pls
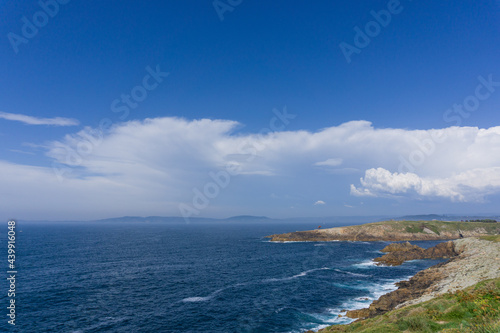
[(196, 299), (295, 276), (351, 286), (336, 315), (289, 242), (202, 299), (351, 273), (322, 242), (366, 264), (212, 295)]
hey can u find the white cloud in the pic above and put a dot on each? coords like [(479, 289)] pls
[(29, 120), (319, 202), (469, 186), (148, 167), (332, 162)]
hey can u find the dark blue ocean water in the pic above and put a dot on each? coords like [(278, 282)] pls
[(189, 278)]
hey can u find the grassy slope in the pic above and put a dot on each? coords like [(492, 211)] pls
[(437, 226), (475, 309), (492, 238), (393, 230)]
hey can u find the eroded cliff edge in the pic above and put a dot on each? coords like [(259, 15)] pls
[(461, 295), (473, 260)]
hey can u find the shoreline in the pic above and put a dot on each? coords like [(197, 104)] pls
[(339, 314), (361, 302), (477, 260)]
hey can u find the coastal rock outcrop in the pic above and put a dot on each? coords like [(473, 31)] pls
[(393, 247), (401, 252), (475, 260)]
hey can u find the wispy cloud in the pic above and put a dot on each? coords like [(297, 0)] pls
[(22, 152), (319, 202), (331, 162), (29, 120)]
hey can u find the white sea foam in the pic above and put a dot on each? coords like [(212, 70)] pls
[(388, 286), (351, 273), (202, 299), (196, 299), (288, 242), (359, 242), (375, 291), (366, 264), (351, 286), (317, 328), (295, 276)]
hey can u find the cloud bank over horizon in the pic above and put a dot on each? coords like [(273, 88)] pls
[(151, 166)]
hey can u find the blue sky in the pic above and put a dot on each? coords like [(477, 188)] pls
[(363, 135)]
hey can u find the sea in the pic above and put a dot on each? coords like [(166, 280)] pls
[(214, 277)]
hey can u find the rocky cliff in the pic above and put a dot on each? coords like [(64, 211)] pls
[(475, 260), (394, 231)]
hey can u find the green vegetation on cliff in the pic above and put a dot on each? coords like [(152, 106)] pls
[(394, 231), (438, 226), (475, 309), (492, 238)]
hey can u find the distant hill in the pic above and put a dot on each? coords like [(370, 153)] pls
[(432, 217), (425, 217), (178, 219), (325, 221), (155, 219), (247, 218)]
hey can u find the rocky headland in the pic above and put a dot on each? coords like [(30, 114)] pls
[(393, 231), (472, 260), (473, 251)]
